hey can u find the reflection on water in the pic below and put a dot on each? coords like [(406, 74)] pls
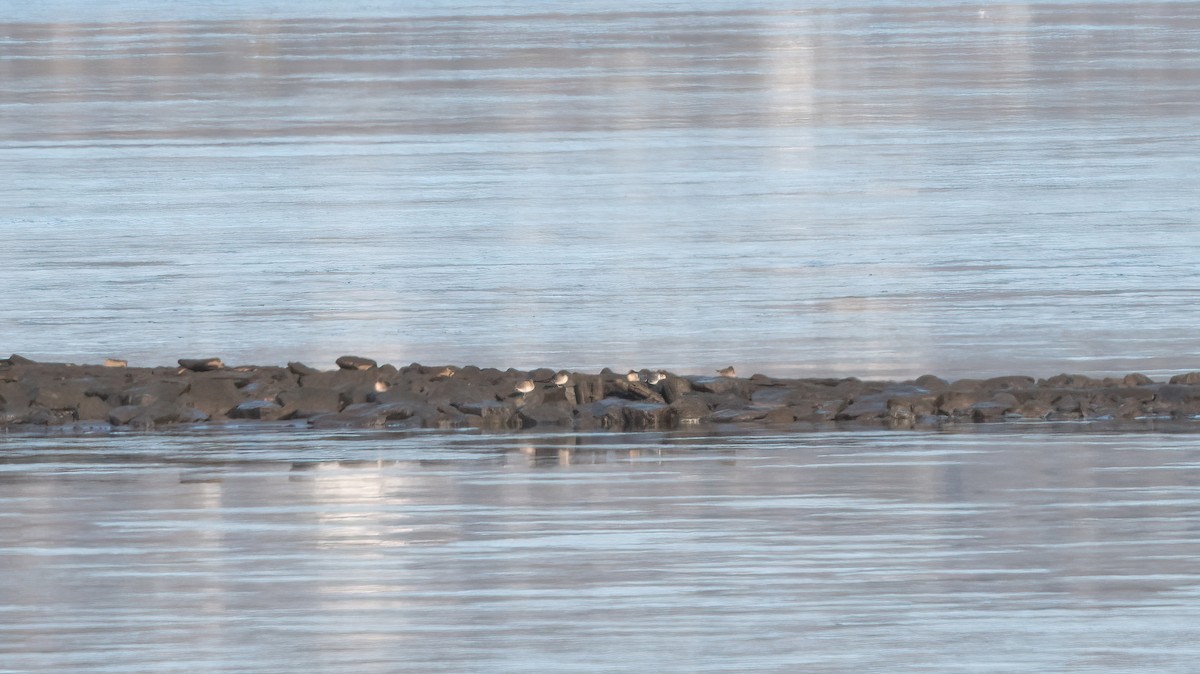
[(879, 188), (1013, 550)]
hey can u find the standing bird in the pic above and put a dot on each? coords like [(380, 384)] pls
[(381, 386), (656, 378), (727, 372), (524, 387), (633, 376), (561, 379)]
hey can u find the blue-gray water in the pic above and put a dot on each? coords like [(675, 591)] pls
[(1023, 550), (874, 188)]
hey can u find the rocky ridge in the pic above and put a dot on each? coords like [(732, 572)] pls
[(362, 394)]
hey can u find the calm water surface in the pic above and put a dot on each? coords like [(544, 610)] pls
[(283, 551), (874, 188)]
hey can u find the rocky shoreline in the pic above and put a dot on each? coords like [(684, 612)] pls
[(362, 394)]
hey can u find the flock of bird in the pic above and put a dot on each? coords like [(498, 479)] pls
[(563, 378)]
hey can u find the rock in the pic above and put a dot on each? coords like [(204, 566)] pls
[(15, 360), (1137, 379), (779, 415), (300, 369), (1009, 382), (15, 394), (740, 416), (201, 364), (867, 407), (60, 395), (214, 397), (620, 414), (545, 415), (492, 414), (633, 390), (958, 403), (356, 363), (309, 401), (92, 408), (719, 385), (690, 409), (588, 388), (264, 410), (1189, 379), (150, 393), (931, 383), (987, 410), (1072, 381), (675, 388)]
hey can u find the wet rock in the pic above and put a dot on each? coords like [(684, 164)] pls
[(719, 385), (779, 415), (932, 383), (356, 363), (14, 394), (740, 416), (265, 410), (633, 390), (92, 408), (300, 369), (201, 364), (675, 388), (958, 403), (1137, 379), (492, 414), (867, 407), (588, 388), (691, 409), (987, 410), (1009, 382), (148, 394), (215, 397), (59, 395), (546, 415), (619, 414), (1070, 381), (309, 401)]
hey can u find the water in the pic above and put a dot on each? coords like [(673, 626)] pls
[(1019, 550), (872, 188), (875, 189)]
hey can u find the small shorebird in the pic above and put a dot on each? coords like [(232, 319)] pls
[(446, 373), (633, 376), (381, 386), (561, 379), (727, 372), (524, 387), (115, 362), (656, 378)]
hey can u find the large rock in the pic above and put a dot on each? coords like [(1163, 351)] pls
[(215, 397), (150, 393), (308, 401), (263, 410), (356, 363), (201, 364)]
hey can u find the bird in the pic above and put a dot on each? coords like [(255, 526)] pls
[(115, 362), (381, 386), (561, 379), (727, 372), (656, 378), (525, 386), (446, 373), (633, 376)]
